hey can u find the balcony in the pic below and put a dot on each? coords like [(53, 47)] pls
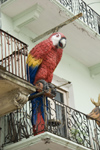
[(13, 79), (63, 127), (13, 54), (90, 17)]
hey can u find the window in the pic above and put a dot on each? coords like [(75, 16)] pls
[(57, 112), (59, 97)]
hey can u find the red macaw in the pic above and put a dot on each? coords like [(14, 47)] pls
[(41, 63)]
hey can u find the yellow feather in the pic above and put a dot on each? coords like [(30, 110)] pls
[(31, 61)]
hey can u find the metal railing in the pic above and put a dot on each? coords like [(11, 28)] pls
[(13, 53), (58, 119), (90, 17)]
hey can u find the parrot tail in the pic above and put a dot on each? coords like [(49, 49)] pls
[(38, 114), (39, 127)]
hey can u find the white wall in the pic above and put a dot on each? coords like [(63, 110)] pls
[(24, 34), (84, 87)]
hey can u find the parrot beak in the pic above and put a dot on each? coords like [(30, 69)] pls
[(62, 43)]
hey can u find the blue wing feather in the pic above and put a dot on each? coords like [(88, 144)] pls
[(31, 73)]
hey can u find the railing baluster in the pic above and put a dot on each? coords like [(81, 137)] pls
[(13, 53), (24, 63), (1, 49), (15, 57), (12, 56), (5, 49), (8, 53), (18, 58)]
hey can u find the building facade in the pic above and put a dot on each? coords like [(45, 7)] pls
[(77, 77)]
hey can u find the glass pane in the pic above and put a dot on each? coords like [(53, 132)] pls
[(61, 117), (59, 97), (49, 111)]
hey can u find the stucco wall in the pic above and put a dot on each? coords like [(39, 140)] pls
[(24, 34), (84, 86)]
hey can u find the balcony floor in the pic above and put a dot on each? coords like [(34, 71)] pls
[(45, 141)]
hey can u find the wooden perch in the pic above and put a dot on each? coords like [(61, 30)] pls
[(55, 29)]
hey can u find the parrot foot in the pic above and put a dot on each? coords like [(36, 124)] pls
[(49, 88)]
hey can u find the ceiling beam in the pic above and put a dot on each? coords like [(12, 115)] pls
[(26, 17)]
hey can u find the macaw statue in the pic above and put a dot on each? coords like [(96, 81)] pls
[(41, 63)]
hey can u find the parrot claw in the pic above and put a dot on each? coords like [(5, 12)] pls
[(49, 88), (52, 88)]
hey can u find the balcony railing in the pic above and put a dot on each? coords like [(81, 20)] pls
[(90, 17), (13, 54), (59, 119)]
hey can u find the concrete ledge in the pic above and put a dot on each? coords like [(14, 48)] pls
[(14, 92), (45, 141)]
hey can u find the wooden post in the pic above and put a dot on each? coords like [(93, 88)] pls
[(45, 110)]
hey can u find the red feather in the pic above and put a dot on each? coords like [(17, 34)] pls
[(50, 55)]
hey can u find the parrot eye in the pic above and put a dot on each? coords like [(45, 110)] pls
[(57, 35)]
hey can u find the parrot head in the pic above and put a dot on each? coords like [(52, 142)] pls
[(58, 39)]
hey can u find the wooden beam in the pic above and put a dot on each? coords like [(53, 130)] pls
[(55, 29)]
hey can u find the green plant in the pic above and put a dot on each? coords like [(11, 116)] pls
[(75, 135), (78, 134)]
